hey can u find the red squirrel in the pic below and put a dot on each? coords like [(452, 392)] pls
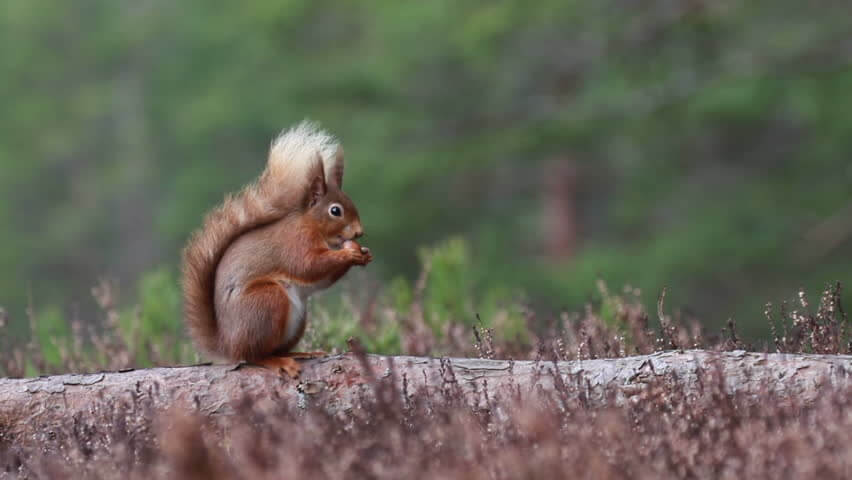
[(248, 272)]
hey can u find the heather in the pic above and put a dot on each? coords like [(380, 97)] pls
[(661, 430)]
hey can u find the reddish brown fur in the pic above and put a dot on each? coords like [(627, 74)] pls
[(276, 233)]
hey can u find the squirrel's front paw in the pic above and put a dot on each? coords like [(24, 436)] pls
[(367, 255), (358, 254)]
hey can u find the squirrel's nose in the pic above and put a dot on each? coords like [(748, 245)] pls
[(357, 231)]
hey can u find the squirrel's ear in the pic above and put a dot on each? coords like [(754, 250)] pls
[(317, 186), (335, 168)]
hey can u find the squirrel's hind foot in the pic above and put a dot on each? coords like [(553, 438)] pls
[(282, 365), (288, 362)]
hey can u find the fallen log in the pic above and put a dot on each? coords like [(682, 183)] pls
[(29, 406)]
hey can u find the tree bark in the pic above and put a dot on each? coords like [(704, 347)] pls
[(335, 383)]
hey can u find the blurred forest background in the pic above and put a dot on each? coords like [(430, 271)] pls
[(540, 146)]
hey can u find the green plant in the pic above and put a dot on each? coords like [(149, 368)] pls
[(154, 327)]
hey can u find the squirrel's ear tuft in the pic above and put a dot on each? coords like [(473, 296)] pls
[(317, 186), (294, 152), (334, 168)]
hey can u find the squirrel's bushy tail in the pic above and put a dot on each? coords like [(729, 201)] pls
[(278, 192)]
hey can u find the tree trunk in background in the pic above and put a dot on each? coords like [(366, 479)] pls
[(135, 229), (559, 209), (29, 407)]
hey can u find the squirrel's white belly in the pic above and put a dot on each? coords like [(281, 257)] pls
[(298, 296)]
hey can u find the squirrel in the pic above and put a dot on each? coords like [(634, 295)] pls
[(249, 270)]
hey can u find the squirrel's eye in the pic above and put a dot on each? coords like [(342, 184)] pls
[(335, 210)]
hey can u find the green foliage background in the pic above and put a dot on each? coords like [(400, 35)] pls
[(712, 141)]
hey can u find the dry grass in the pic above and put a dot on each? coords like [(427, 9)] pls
[(660, 433)]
